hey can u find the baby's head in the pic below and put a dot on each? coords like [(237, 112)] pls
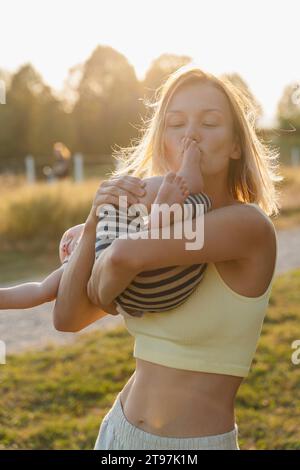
[(69, 241)]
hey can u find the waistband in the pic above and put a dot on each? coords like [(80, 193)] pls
[(131, 437)]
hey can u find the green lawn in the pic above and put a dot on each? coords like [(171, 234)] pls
[(56, 399), (27, 265)]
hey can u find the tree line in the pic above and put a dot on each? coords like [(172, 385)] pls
[(101, 105)]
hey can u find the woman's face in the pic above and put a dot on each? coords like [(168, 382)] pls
[(200, 111)]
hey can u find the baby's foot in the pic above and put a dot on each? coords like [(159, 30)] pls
[(173, 190), (190, 167)]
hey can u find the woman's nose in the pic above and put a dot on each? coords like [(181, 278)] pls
[(193, 137), (193, 134)]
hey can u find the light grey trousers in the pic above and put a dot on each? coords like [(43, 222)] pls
[(116, 433)]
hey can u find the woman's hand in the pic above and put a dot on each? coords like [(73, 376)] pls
[(109, 192)]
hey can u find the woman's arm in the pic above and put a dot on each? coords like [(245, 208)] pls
[(110, 275), (75, 306), (102, 267), (227, 233), (31, 294)]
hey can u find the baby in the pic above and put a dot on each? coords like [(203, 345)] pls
[(151, 291)]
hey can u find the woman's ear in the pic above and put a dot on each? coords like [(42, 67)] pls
[(236, 151)]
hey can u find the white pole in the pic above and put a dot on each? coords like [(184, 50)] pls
[(2, 92), (78, 167), (30, 169), (295, 156), (2, 352)]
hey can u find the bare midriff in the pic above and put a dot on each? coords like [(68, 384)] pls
[(179, 403)]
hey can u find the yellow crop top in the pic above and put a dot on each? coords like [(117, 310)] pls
[(216, 330)]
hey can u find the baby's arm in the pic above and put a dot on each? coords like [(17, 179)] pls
[(31, 294)]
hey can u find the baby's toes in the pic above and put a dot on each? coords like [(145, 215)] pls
[(185, 191), (178, 180), (169, 178), (183, 184), (183, 181)]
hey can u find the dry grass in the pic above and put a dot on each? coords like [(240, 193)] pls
[(290, 198), (40, 213)]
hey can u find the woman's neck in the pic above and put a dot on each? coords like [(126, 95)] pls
[(216, 189)]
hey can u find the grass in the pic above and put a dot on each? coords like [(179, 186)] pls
[(35, 217), (290, 199), (56, 398), (268, 403), (27, 265)]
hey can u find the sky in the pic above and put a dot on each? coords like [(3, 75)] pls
[(259, 39)]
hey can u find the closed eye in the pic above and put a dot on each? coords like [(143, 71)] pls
[(207, 124)]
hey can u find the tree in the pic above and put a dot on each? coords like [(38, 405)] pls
[(32, 119), (288, 110), (25, 84), (107, 103), (160, 69)]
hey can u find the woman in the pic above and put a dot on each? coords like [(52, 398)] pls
[(191, 362)]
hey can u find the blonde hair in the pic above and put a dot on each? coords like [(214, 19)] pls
[(250, 179), (62, 149)]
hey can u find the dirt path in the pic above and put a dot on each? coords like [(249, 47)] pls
[(32, 328)]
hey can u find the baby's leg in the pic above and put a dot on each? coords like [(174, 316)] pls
[(190, 168), (183, 206), (172, 192), (189, 171)]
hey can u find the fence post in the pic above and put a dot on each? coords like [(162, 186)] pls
[(295, 156), (78, 167), (2, 92), (30, 169), (2, 352)]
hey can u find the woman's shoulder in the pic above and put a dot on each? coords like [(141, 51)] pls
[(260, 213), (262, 222), (265, 246)]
